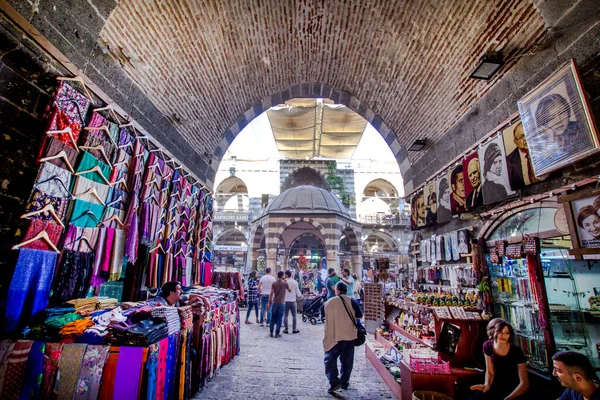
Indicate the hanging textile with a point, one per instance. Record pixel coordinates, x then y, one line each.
73 276
30 286
15 370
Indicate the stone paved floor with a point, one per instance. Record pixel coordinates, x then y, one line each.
290 367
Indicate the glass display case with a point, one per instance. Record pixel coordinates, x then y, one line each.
515 301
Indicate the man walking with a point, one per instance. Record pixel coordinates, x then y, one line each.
277 300
290 302
264 288
349 281
340 334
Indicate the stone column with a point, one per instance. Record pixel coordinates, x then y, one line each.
333 260
253 260
285 259
357 266
272 259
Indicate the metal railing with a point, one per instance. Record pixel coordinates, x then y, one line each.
384 219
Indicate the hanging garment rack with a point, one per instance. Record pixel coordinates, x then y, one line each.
85 240
112 112
85 214
78 79
111 219
56 178
121 181
103 128
100 148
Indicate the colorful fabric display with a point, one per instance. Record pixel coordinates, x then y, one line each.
30 286
85 214
53 147
87 162
82 185
68 109
69 367
38 200
129 372
15 370
73 276
53 181
90 375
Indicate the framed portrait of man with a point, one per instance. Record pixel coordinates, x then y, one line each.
430 197
474 196
456 179
421 210
557 121
443 205
494 175
518 159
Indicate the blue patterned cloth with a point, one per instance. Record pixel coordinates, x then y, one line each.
30 286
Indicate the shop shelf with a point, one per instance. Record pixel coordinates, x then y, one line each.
396 328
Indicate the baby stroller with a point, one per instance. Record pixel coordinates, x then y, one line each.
311 309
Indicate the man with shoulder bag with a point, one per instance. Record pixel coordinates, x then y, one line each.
342 315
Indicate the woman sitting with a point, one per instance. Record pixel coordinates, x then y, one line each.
505 365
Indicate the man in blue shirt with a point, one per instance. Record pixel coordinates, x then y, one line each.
575 372
348 280
330 282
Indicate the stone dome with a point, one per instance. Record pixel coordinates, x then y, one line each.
306 200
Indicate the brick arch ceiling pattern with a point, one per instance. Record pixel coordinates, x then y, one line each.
211 66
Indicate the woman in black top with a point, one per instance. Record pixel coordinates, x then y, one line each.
505 365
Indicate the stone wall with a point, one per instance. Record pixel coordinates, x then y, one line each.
27 80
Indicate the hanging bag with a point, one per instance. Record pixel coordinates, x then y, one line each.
361 332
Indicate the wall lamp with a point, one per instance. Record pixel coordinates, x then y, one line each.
489 64
417 145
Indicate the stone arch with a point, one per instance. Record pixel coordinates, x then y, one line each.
228 188
294 220
389 239
257 237
229 231
379 186
349 233
305 176
313 90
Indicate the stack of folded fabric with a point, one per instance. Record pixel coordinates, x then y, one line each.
75 328
84 306
186 316
106 302
170 316
143 333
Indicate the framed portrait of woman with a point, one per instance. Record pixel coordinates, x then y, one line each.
495 184
581 211
558 122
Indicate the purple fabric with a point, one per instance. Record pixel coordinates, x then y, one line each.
127 377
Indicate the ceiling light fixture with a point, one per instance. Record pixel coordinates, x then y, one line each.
417 145
488 65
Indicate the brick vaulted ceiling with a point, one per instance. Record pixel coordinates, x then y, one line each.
204 63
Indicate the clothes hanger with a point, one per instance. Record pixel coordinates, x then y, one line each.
100 148
63 156
56 178
84 238
157 247
150 199
119 163
123 182
79 79
43 235
66 130
128 144
110 203
116 219
105 129
91 214
97 170
48 208
91 191
111 110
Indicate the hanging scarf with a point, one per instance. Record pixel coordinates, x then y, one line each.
51 357
33 372
161 376
15 370
30 286
128 373
68 369
88 384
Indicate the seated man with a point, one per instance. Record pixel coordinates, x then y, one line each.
575 372
171 294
